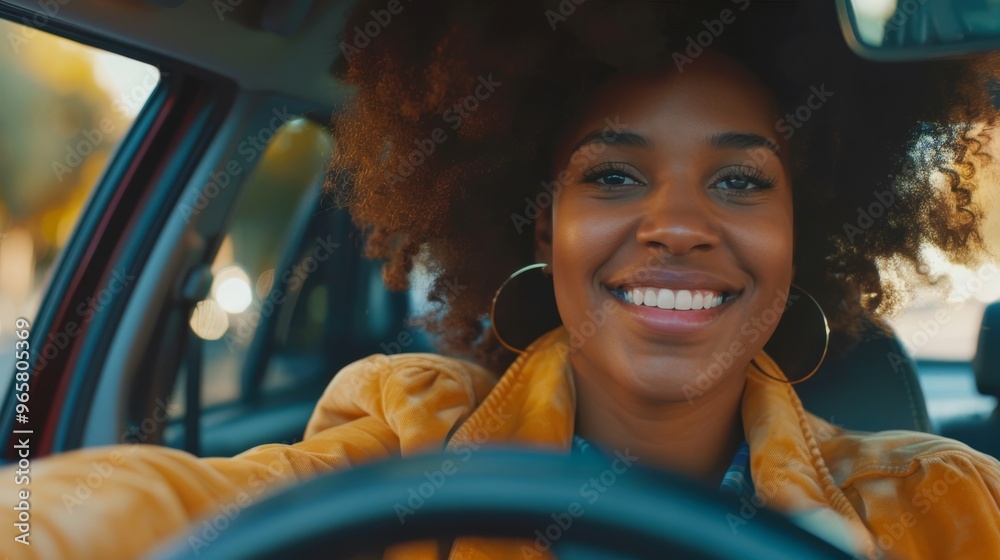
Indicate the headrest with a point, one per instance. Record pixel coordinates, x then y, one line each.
986 364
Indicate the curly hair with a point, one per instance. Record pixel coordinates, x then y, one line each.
437 173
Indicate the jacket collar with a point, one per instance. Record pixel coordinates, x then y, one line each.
534 404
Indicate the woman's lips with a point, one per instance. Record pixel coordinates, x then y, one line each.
672 311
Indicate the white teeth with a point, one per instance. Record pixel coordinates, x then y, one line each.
650 299
681 300
665 300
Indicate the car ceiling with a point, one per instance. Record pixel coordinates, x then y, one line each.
282 46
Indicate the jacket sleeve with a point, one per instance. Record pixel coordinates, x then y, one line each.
945 505
122 501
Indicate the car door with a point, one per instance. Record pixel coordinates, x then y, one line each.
111 331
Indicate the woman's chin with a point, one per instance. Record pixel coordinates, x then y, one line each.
672 380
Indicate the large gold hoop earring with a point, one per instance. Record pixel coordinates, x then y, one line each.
524 307
786 345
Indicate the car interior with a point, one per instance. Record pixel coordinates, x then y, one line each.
226 92
253 77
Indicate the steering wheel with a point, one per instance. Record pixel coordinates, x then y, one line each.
585 508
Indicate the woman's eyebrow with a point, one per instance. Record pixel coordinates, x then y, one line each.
613 138
742 141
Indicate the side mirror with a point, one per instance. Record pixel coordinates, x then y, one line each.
897 30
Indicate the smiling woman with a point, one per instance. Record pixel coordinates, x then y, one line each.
745 139
680 185
675 204
846 126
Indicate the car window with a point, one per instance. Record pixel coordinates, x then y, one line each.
288 175
944 325
940 329
65 109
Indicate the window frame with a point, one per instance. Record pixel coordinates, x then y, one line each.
178 115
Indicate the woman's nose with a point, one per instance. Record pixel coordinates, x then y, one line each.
677 219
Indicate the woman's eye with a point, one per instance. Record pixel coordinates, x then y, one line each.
611 176
743 181
616 180
736 182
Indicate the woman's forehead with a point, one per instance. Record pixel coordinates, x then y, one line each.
711 96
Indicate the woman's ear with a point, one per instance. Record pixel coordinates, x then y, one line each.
543 236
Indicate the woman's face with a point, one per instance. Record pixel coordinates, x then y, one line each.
675 193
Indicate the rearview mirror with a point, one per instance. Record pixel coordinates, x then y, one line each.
891 30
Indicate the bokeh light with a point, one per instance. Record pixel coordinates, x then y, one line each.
209 320
231 288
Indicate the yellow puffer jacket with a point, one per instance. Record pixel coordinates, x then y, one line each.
895 494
